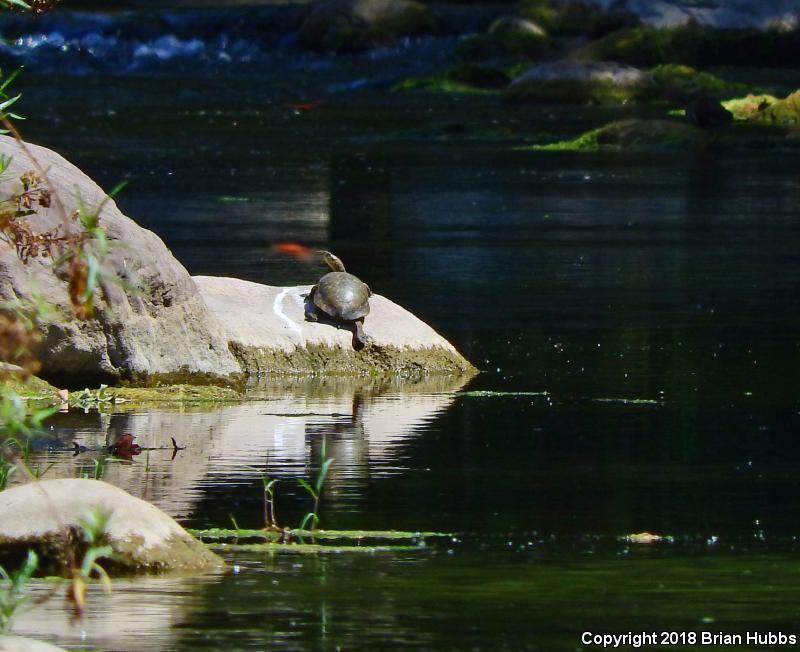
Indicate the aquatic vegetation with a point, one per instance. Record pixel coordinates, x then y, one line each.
315 490
481 393
12 598
87 399
218 534
93 526
6 471
270 518
324 541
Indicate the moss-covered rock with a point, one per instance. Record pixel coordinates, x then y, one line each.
578 82
744 108
632 134
576 17
519 36
694 45
655 135
353 25
784 113
679 83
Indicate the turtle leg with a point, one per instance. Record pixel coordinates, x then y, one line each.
360 338
309 307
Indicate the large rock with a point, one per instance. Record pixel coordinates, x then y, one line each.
161 329
44 515
580 81
20 644
351 25
267 331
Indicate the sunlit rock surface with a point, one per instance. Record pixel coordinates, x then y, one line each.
44 515
163 327
266 329
20 644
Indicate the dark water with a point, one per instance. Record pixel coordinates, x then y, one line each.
635 315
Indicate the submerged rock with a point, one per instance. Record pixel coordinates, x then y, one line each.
45 516
163 327
577 81
352 25
267 331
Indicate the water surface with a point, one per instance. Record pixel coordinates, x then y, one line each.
635 318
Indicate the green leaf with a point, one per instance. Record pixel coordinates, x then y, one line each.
304 483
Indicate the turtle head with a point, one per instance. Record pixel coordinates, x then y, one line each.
332 261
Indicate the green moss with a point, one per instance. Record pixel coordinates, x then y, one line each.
744 108
218 534
333 360
670 134
184 394
309 548
32 388
680 83
435 84
784 113
631 134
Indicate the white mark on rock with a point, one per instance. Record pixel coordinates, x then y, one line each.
277 308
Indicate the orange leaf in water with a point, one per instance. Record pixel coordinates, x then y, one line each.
293 249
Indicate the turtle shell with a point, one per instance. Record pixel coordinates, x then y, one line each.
342 296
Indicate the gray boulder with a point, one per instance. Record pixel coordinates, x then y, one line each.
44 515
267 331
580 81
163 328
351 25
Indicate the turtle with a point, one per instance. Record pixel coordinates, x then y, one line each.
342 297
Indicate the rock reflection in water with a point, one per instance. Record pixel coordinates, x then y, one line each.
364 422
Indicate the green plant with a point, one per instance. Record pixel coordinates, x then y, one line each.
87 399
6 471
270 520
93 525
11 595
16 420
315 491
